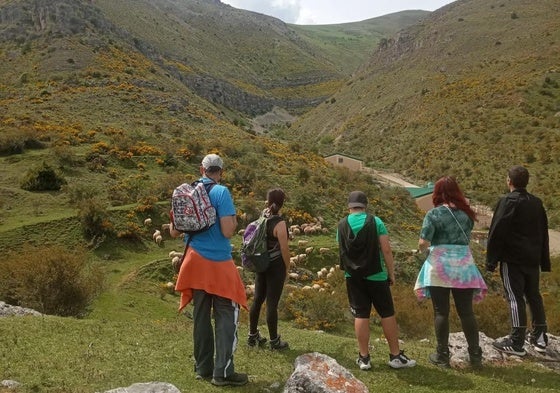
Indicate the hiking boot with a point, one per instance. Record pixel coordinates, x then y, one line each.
278 344
475 358
539 342
401 361
235 379
364 362
440 359
506 345
256 339
201 377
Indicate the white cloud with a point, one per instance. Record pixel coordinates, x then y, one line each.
286 10
332 11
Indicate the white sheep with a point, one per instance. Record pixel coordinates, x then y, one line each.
148 222
294 276
165 227
324 250
309 250
156 234
302 243
173 254
158 239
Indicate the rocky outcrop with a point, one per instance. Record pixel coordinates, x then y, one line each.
490 355
7 310
148 387
318 373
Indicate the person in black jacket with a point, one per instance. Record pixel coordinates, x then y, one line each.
518 240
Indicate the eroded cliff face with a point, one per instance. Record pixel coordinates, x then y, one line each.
27 19
72 27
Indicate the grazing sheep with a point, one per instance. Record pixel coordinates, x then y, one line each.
296 231
156 234
302 243
309 250
173 254
158 239
309 230
165 227
294 276
324 250
148 222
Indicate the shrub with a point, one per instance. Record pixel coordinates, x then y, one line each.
43 178
51 280
94 219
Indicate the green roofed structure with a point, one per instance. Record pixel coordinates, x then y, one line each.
422 196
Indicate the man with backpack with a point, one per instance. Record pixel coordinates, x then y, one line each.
208 277
367 260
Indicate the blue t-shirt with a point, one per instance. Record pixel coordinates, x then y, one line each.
356 222
212 244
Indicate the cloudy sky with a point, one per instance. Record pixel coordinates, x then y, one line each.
309 12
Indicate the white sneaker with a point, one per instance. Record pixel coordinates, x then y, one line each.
364 362
401 361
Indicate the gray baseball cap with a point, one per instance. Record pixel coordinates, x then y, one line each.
212 160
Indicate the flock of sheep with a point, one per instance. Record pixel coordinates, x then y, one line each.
295 261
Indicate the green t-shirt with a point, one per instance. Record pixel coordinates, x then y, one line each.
357 221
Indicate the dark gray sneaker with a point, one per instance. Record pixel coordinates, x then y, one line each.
278 345
539 343
235 379
256 340
507 345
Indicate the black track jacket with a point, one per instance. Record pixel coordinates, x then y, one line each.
519 232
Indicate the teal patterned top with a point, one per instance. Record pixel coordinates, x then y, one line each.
440 227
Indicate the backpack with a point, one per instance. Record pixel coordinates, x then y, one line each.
255 255
191 210
359 254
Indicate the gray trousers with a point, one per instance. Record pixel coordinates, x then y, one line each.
214 347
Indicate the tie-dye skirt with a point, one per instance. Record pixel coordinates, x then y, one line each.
450 266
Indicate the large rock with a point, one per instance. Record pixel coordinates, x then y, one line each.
7 310
147 387
460 357
318 373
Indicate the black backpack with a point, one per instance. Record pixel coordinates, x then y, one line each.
359 254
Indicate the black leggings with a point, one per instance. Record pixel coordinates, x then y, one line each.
268 286
463 299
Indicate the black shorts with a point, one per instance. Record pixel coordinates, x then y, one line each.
362 294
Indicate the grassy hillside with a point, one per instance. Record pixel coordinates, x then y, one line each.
470 91
349 45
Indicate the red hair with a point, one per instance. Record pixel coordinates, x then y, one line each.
446 190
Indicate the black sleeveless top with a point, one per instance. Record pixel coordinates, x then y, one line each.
271 241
